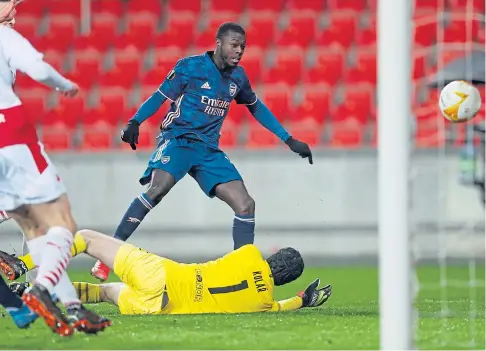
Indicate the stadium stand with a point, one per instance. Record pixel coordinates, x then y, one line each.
312 61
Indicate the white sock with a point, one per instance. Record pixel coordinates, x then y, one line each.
52 253
66 292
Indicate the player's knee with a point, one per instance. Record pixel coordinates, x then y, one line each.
155 193
160 185
246 206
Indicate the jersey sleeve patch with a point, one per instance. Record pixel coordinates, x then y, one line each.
171 75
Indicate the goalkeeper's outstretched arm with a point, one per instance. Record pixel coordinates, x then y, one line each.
312 296
291 304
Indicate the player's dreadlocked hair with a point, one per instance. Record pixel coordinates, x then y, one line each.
286 265
229 26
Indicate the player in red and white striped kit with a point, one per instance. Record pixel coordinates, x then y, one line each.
31 191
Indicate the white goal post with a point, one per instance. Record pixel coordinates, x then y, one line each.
394 27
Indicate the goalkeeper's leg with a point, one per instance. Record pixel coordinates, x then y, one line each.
96 293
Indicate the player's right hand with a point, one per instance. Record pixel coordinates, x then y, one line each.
314 297
72 92
129 134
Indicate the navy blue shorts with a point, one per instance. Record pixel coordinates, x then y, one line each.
179 156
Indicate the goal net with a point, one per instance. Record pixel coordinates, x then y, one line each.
445 214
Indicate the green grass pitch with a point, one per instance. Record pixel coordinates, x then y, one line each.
348 321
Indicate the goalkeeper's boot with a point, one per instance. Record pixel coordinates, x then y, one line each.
100 271
23 317
19 287
40 301
11 266
86 321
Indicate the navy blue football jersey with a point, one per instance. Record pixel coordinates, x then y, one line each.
201 95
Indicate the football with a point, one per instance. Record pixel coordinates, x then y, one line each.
459 101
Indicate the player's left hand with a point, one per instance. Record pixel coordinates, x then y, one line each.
130 133
314 297
300 148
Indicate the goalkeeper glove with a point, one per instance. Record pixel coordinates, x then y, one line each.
299 148
313 297
129 134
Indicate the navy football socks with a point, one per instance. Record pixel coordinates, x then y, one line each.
135 214
8 298
243 230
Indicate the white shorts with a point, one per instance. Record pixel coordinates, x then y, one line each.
27 177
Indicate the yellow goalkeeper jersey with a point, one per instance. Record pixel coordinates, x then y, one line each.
240 281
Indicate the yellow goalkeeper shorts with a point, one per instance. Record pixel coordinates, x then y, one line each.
145 276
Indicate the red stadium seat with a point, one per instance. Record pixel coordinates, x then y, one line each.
34 102
428 135
427 6
62 31
27 25
315 5
35 9
358 104
186 5
271 5
146 6
347 134
57 137
476 6
224 5
110 109
480 38
99 137
419 66
301 29
229 135
329 66
86 67
238 113
261 28
355 5
178 32
367 35
260 138
126 69
140 31
104 31
252 64
112 7
278 98
288 66
307 131
365 69
425 30
315 104
69 111
165 60
23 81
460 31
341 31
63 7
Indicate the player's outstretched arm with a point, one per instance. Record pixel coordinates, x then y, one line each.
266 118
312 296
22 56
130 133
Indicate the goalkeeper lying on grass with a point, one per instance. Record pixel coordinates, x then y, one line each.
241 281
